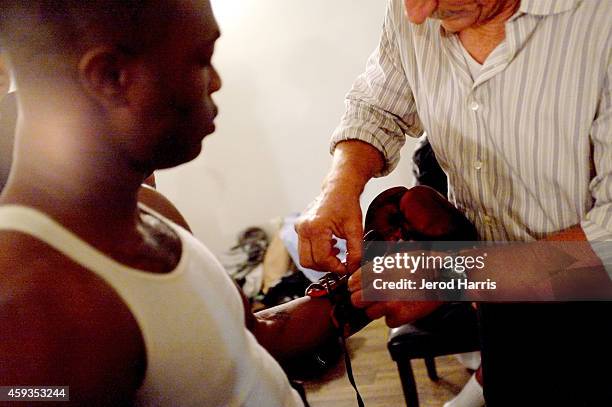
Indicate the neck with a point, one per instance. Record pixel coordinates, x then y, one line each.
79 182
482 38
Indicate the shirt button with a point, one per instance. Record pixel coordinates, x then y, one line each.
478 165
474 106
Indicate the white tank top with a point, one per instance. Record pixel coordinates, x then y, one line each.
199 352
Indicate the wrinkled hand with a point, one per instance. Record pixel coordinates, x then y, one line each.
336 213
396 313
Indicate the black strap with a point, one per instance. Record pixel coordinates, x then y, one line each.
297 386
349 371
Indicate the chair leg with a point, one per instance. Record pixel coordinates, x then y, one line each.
430 363
408 383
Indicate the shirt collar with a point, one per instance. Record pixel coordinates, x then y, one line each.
547 7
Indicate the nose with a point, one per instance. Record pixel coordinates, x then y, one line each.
417 11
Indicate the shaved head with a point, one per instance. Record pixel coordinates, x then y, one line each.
39 35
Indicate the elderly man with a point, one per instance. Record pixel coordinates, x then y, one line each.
516 99
97 291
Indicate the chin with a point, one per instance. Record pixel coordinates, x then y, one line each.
173 157
194 153
455 25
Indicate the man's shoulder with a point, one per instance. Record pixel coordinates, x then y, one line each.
597 10
156 201
590 22
63 324
604 6
33 273
22 255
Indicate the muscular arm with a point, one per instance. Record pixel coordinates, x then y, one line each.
68 331
293 328
285 330
290 329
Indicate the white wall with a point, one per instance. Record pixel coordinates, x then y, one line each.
286 66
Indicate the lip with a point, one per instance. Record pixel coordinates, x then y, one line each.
210 128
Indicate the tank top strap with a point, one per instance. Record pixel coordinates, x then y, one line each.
41 226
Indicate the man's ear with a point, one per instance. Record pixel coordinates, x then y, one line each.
103 72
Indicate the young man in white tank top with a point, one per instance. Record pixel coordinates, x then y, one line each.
98 292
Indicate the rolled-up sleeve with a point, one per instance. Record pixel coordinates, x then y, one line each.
597 225
380 107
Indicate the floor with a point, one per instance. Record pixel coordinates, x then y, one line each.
377 378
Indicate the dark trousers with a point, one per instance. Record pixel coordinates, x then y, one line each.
550 354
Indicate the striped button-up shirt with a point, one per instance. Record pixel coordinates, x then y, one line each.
527 144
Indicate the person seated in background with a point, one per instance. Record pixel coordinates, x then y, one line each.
99 292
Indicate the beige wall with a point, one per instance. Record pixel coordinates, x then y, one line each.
5 78
285 65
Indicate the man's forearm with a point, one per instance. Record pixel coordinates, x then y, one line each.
561 266
574 233
354 164
298 326
587 275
